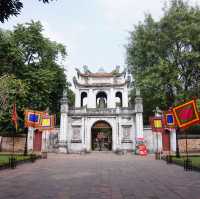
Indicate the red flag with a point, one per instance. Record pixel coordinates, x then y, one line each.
14 115
186 114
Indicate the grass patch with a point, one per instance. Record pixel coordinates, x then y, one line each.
4 158
180 161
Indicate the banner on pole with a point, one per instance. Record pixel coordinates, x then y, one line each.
186 114
169 120
40 120
48 122
156 124
33 118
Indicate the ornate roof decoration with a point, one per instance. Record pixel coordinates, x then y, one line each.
101 73
86 70
76 83
101 70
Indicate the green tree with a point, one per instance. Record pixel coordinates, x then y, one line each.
12 8
164 56
36 61
11 89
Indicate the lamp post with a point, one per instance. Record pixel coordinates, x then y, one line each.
177 146
25 147
158 113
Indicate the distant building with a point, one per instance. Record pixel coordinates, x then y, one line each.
101 118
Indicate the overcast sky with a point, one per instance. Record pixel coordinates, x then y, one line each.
95 32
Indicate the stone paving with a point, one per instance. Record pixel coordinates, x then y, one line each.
99 175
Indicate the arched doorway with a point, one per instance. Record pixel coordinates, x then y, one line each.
101 136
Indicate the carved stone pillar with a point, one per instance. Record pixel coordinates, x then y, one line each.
63 125
139 116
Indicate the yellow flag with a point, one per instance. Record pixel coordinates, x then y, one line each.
157 124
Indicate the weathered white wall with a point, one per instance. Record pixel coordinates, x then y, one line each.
152 140
110 92
91 101
77 98
125 96
30 139
63 128
173 140
148 139
86 123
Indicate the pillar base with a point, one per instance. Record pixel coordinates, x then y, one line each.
62 146
62 150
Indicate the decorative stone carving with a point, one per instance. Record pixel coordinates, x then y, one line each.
76 120
126 134
126 119
62 143
64 98
64 108
138 104
76 137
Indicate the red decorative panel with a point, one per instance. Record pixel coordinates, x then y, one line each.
166 140
186 114
37 141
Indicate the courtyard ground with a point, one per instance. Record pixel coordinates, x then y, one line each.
99 175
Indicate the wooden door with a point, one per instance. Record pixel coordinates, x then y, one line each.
166 140
37 142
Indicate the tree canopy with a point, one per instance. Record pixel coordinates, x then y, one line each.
12 8
10 90
31 71
164 56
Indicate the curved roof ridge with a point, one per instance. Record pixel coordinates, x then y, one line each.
100 74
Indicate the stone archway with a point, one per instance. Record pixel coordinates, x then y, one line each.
101 136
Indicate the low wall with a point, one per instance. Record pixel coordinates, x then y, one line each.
148 138
152 140
6 144
192 144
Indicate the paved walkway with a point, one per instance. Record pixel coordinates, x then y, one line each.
99 175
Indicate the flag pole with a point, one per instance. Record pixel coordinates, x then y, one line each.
15 125
14 120
13 147
177 145
25 147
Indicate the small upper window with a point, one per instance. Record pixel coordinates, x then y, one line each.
83 99
101 100
118 97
